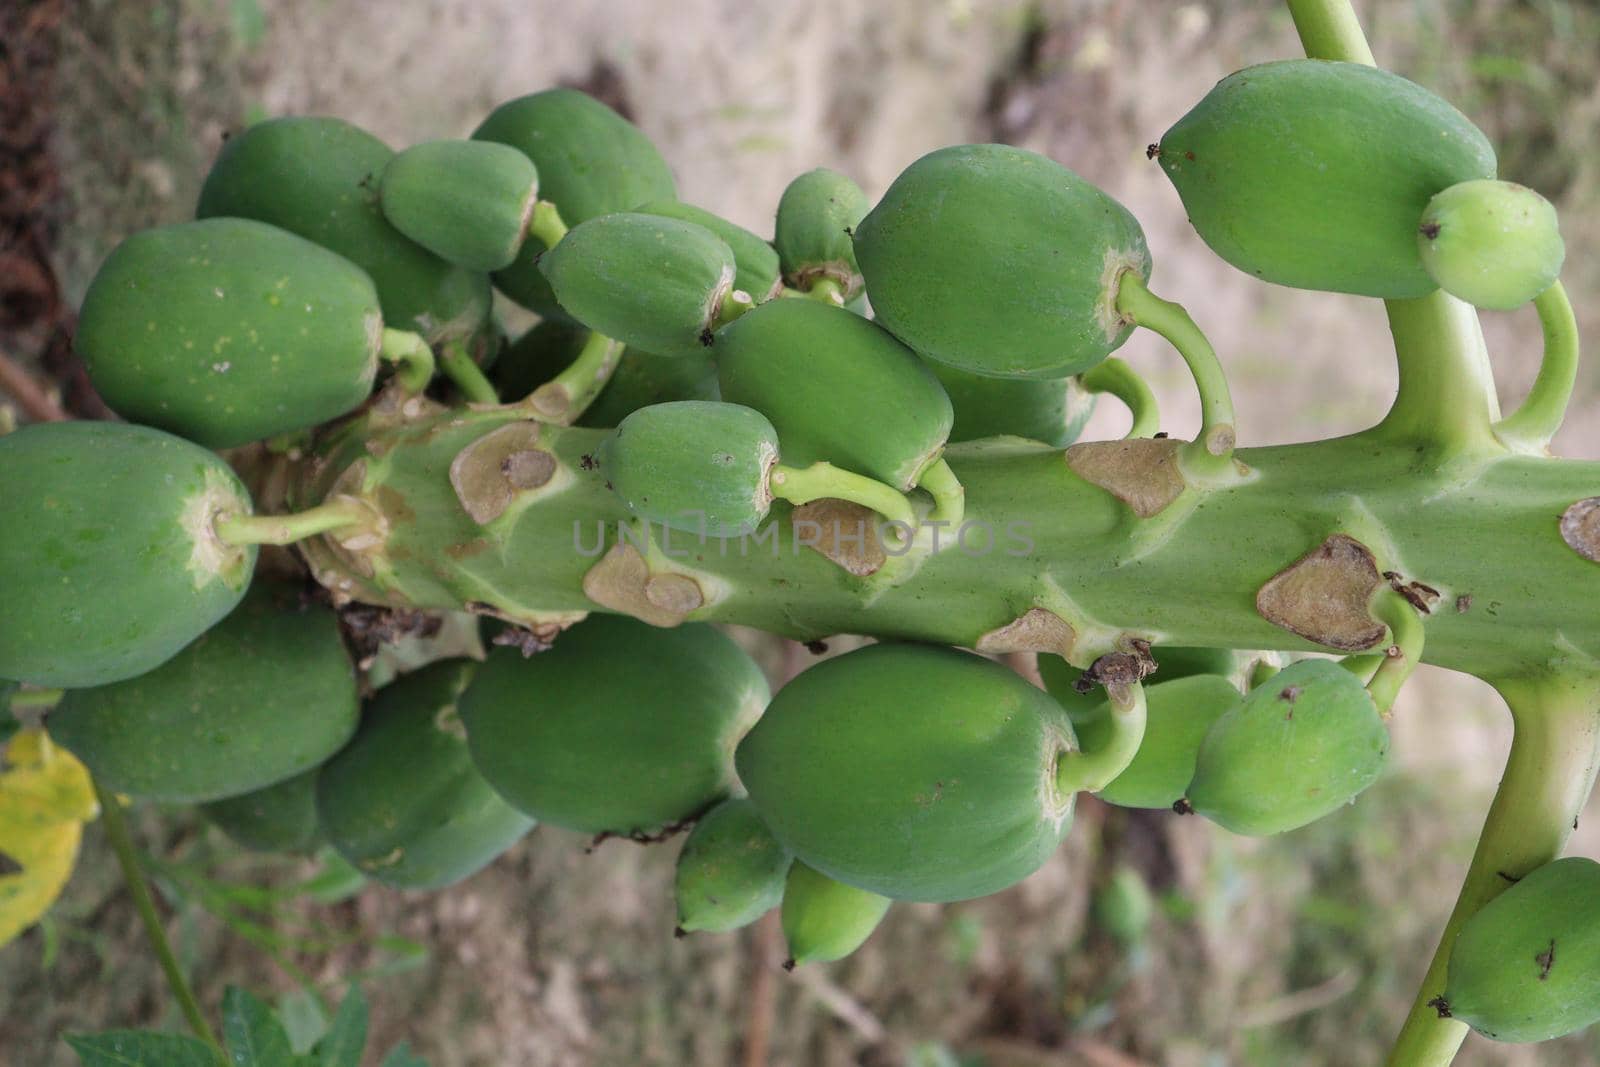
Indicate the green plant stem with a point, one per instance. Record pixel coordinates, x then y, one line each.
33 699
1555 751
1405 652
1531 426
336 514
564 398
546 225
1364 666
949 499
1329 29
1092 771
459 367
116 828
827 290
801 485
1115 377
1210 454
736 303
411 355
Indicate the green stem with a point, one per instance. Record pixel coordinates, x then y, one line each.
1329 29
801 485
1211 452
1364 666
411 354
827 290
736 303
568 395
949 498
335 514
1555 751
1530 427
116 828
1093 771
32 699
1115 377
1405 652
468 377
546 225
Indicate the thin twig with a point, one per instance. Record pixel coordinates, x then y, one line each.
763 990
39 405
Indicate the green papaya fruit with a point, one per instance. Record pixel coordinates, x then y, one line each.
824 920
279 818
1526 967
1172 662
227 331
817 216
1297 748
639 380
619 728
654 283
731 870
318 178
467 202
837 387
1052 410
591 162
1491 243
403 802
1001 262
266 694
695 465
1177 717
1123 907
108 558
756 269
1313 174
917 772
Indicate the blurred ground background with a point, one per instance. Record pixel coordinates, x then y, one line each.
1303 949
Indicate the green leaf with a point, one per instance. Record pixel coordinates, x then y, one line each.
254 1036
402 1056
141 1048
347 1036
304 1018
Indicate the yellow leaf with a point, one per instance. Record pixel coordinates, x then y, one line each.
45 797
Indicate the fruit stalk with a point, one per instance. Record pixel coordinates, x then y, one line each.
340 513
411 356
121 842
801 485
468 378
1555 751
1115 377
568 395
1531 426
1092 771
1401 658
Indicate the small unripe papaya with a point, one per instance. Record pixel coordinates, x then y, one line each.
620 727
1300 746
467 202
1052 410
1313 173
1001 262
731 870
917 772
1178 715
108 558
318 178
591 162
824 920
838 388
695 465
639 380
266 694
403 802
755 261
1526 967
817 217
1491 243
279 818
652 282
1123 907
227 331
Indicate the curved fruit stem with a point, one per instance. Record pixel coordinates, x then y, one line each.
116 828
1115 377
1554 754
1092 771
801 485
340 513
564 398
545 224
1329 29
1211 452
411 356
459 367
949 498
1364 666
1405 652
1531 426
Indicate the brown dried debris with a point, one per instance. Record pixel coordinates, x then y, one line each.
368 628
1035 630
847 533
1323 596
1580 528
1142 472
1118 669
1419 595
